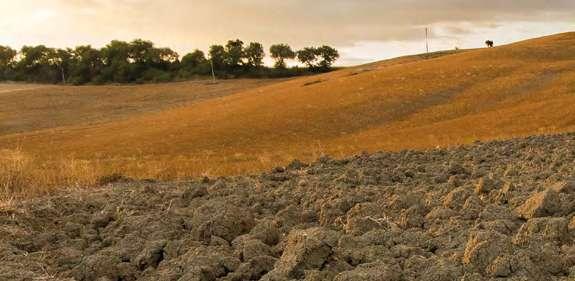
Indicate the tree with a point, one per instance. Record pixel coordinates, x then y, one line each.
140 61
88 64
280 53
38 64
218 56
194 63
254 54
7 58
65 63
328 56
142 52
234 53
308 56
193 60
149 63
116 58
115 52
164 58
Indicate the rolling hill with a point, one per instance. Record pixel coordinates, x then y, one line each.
29 107
449 99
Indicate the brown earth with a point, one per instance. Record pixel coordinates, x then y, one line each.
501 210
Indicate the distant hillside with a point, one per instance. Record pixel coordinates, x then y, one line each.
32 107
514 90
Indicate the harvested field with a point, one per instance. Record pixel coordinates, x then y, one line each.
500 210
29 107
451 98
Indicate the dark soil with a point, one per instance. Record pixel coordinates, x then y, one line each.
491 211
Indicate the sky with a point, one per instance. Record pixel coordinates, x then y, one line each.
362 30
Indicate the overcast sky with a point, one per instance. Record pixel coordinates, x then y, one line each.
363 30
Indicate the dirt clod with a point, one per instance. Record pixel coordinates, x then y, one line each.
542 204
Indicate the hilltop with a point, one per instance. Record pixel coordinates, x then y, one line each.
449 99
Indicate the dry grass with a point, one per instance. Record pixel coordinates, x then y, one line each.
22 175
516 90
26 108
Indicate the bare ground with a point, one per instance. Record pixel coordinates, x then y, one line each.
490 211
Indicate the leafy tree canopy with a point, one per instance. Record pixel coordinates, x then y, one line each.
280 53
140 61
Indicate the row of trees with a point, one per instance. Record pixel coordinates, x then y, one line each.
141 61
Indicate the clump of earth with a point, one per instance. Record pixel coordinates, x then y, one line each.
501 210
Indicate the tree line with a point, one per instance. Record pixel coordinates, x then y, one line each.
142 61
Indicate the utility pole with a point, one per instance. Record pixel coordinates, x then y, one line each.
63 75
427 40
213 73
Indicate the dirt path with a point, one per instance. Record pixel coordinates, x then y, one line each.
491 211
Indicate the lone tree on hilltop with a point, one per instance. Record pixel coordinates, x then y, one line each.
281 52
489 43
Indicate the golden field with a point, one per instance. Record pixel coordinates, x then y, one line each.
71 136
